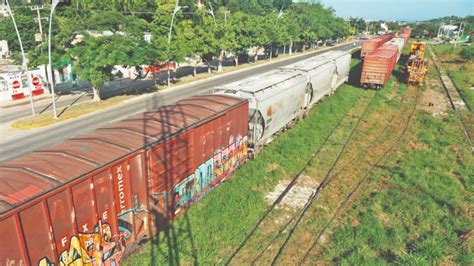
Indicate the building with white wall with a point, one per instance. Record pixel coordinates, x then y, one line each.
3 9
4 51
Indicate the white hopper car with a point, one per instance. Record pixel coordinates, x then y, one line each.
278 97
342 60
400 43
324 73
275 98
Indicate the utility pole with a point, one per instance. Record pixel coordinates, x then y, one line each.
280 14
37 9
24 61
176 9
225 15
54 3
211 11
457 37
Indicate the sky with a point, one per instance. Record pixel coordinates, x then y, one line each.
406 10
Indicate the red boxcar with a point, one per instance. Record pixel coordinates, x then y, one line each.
407 31
92 198
378 66
404 36
393 49
369 46
386 37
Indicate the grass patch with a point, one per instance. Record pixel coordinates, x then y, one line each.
66 113
211 230
416 211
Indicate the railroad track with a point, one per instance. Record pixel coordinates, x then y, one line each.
353 160
327 178
377 163
306 166
331 177
458 103
290 185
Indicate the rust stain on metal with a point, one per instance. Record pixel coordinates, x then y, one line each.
270 111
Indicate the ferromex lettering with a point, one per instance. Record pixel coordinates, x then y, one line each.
121 188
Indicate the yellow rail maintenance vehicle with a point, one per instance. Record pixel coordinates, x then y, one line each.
417 65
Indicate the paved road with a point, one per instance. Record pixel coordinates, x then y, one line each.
14 145
73 95
114 88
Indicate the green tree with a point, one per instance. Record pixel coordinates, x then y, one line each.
237 33
95 57
357 24
27 27
277 32
206 37
116 5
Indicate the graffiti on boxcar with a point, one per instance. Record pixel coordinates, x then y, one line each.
228 159
126 220
204 175
211 173
98 248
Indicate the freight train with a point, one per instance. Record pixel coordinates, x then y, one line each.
92 198
379 65
280 96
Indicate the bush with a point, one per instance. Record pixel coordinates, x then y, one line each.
467 52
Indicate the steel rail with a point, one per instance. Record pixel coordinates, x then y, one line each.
325 181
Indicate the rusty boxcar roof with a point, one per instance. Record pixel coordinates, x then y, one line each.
37 172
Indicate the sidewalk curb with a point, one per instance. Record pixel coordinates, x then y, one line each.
24 101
